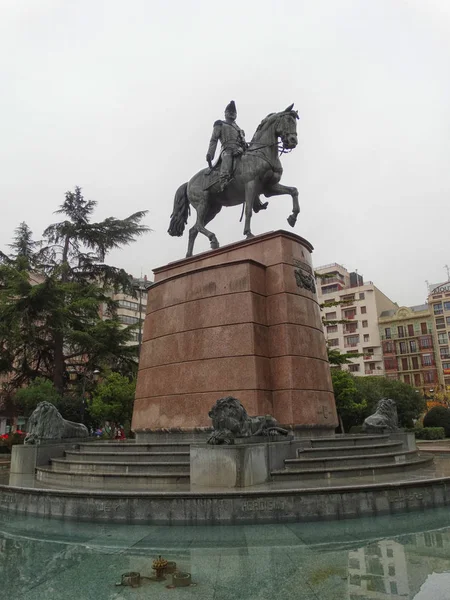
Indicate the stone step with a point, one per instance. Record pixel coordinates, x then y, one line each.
111 481
354 471
77 466
347 450
349 461
347 440
121 456
133 447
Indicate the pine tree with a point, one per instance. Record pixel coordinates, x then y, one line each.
51 292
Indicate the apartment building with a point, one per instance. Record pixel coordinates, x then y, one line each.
409 349
439 303
132 309
360 304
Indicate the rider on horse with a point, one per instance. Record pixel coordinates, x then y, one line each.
233 142
232 139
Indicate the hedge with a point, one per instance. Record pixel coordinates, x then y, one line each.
429 433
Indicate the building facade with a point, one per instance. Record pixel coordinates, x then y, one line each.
132 309
408 345
439 302
352 326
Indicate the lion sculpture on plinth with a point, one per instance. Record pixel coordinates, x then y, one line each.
230 420
46 423
383 419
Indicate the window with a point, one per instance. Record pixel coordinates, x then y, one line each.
448 320
366 324
366 337
350 327
126 320
394 589
403 348
427 361
401 331
443 351
446 365
387 332
388 347
363 310
425 342
442 338
415 362
129 305
391 570
333 342
407 379
390 364
405 364
134 336
417 379
424 328
331 316
351 340
446 305
349 313
438 308
429 376
332 328
349 298
440 323
362 296
410 330
353 368
413 346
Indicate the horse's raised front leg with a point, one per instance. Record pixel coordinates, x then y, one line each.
250 191
279 190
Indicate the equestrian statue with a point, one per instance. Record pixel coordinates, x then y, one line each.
242 173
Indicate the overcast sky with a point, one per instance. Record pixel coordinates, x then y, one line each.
120 98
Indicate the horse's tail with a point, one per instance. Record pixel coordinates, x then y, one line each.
180 213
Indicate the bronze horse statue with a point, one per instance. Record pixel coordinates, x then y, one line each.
257 172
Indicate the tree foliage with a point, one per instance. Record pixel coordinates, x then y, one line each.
438 416
410 403
51 292
357 398
40 390
351 407
113 399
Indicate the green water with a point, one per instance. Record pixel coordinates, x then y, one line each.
403 556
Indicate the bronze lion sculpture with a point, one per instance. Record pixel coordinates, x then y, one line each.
383 419
230 420
46 423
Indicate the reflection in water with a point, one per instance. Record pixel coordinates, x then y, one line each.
351 560
398 568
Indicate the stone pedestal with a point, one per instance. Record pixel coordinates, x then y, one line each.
243 321
229 466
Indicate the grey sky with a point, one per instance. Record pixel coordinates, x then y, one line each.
120 97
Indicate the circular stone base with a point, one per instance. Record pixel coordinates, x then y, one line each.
250 506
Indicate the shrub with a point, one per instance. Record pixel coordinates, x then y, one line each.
429 433
438 416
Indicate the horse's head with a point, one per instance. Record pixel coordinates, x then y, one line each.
286 127
281 125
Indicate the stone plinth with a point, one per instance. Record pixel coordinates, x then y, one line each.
237 466
243 321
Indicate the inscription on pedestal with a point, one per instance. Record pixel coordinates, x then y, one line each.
263 505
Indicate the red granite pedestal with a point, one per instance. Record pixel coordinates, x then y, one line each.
243 321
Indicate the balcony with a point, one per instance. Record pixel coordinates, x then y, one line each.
350 330
368 357
395 336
